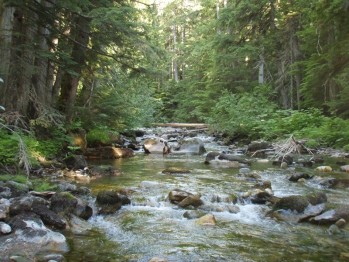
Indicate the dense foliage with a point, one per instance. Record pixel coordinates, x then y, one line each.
252 69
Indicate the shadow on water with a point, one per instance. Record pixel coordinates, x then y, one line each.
153 227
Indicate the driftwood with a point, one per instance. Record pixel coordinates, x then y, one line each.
291 146
42 194
181 125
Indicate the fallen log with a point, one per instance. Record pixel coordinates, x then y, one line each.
180 125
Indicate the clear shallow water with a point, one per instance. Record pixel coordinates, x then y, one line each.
153 227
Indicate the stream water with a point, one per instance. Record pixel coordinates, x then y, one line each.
153 227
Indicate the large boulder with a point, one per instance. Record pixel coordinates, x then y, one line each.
75 162
109 202
31 237
192 146
155 145
191 200
298 208
177 195
38 206
109 152
65 204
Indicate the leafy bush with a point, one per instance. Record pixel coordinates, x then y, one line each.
97 135
8 148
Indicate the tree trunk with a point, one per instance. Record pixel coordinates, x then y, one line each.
69 85
175 65
6 27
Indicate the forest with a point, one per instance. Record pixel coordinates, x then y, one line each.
251 69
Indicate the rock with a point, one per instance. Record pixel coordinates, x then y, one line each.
5 191
255 146
263 184
221 157
245 170
17 189
233 209
49 217
109 152
5 228
191 146
298 208
323 169
208 219
154 145
75 162
177 195
65 203
100 171
150 184
287 159
332 216
250 176
50 258
341 222
345 168
261 197
191 200
29 228
78 225
65 187
295 177
175 170
193 214
317 159
4 209
304 163
335 182
333 230
25 204
110 201
157 259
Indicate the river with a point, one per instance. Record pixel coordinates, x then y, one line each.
153 227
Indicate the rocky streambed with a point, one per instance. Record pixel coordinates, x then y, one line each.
180 196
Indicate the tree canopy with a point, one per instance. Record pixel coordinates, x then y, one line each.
121 64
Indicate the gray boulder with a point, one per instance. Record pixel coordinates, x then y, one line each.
332 216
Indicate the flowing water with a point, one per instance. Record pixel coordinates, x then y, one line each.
153 227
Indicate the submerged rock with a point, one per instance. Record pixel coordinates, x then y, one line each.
216 156
208 220
175 170
332 216
295 177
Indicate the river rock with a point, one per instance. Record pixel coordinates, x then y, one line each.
109 152
25 203
4 209
208 220
317 159
341 222
106 170
233 209
5 192
256 146
157 259
323 169
29 229
332 216
295 177
191 200
5 228
333 230
65 203
50 258
192 146
193 214
17 189
298 208
177 195
175 170
75 162
154 145
345 168
110 201
217 157
261 197
263 184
